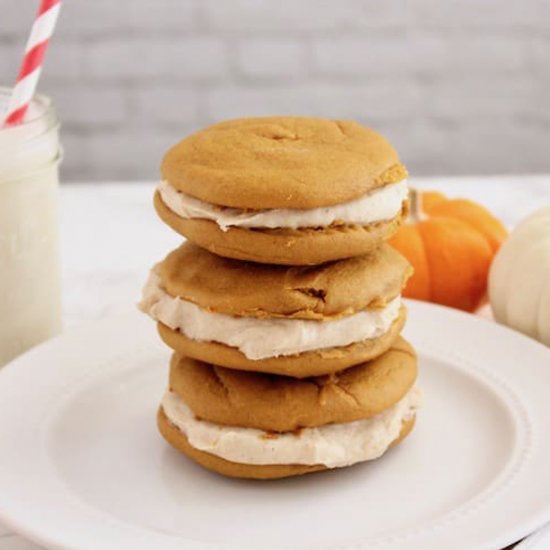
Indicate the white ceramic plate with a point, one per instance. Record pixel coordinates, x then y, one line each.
537 541
82 466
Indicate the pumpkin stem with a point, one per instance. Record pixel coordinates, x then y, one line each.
416 214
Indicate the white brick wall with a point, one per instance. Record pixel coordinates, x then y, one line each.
287 58
185 58
283 16
460 86
380 54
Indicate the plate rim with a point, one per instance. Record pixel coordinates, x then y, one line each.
532 541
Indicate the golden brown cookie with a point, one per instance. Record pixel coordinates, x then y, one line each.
309 363
305 246
281 162
178 440
282 165
296 321
326 291
284 404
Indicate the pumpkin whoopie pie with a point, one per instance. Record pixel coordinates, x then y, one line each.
295 321
254 425
284 190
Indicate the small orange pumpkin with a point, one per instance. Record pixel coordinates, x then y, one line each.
450 243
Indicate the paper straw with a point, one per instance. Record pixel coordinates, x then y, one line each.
31 67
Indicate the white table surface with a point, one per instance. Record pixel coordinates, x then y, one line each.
110 238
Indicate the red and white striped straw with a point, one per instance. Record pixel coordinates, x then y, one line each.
31 67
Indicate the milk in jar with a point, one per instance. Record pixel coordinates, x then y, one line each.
30 293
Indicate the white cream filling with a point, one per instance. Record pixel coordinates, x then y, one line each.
262 338
381 204
334 445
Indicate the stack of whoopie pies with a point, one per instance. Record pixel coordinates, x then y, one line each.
283 308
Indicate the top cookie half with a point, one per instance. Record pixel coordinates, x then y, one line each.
284 190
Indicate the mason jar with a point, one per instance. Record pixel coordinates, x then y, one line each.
30 279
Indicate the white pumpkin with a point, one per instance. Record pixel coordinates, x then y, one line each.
519 280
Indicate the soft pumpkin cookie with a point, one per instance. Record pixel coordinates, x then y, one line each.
285 190
259 425
298 321
283 404
179 441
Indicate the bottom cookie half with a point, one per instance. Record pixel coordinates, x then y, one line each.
179 441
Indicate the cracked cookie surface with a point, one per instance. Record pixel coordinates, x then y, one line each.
280 403
323 292
281 162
